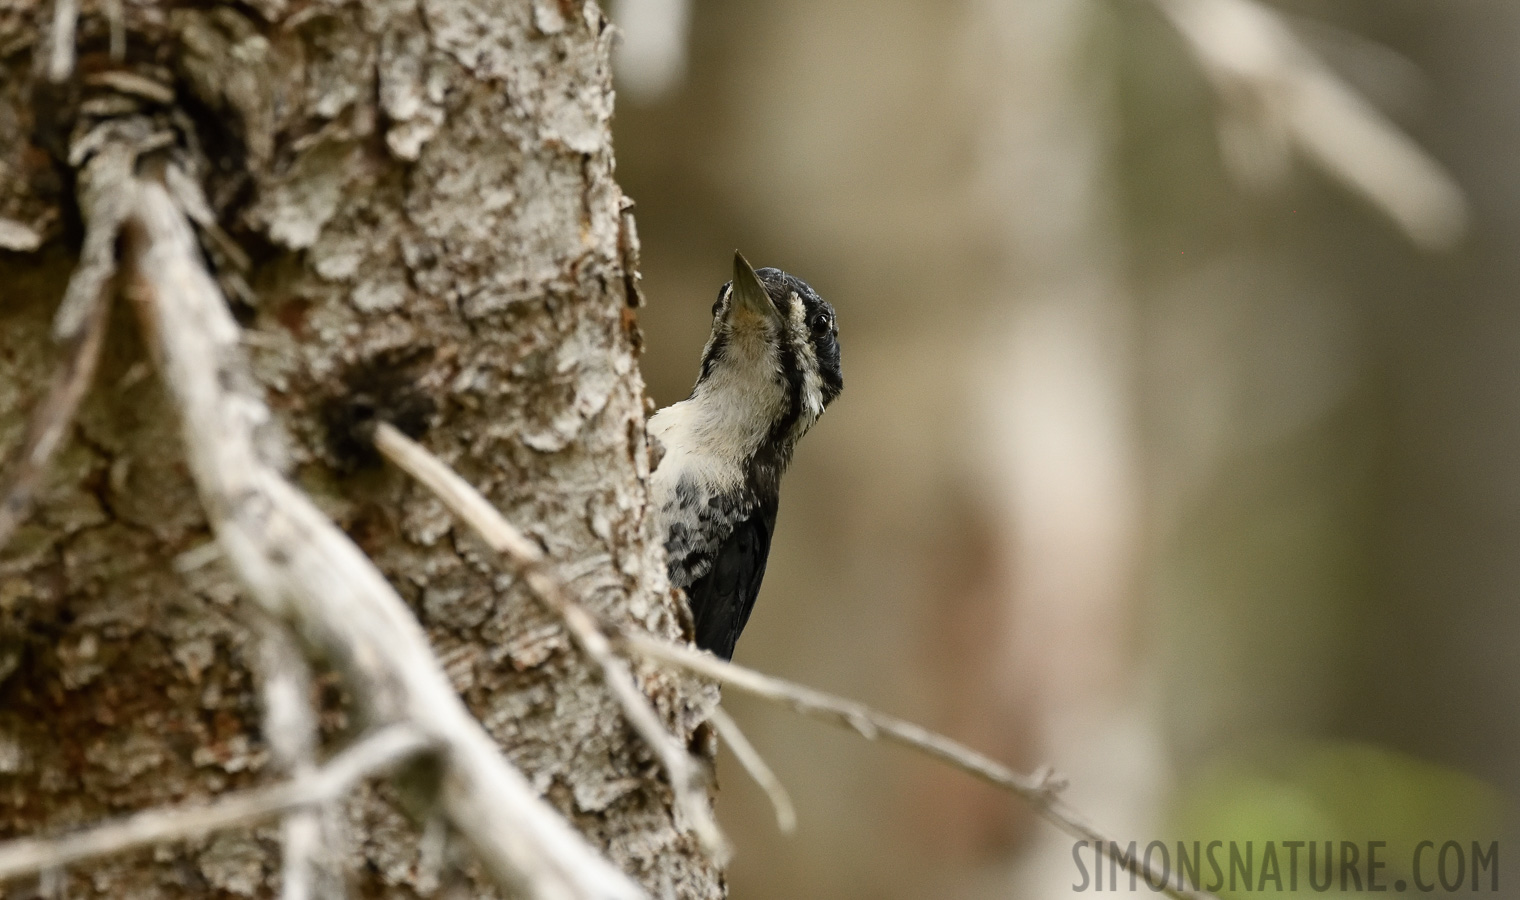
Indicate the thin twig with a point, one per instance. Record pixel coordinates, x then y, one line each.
303 569
290 724
79 324
109 167
60 60
51 420
688 778
754 764
290 729
1041 791
857 716
368 756
118 24
432 854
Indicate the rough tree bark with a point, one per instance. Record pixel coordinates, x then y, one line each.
425 192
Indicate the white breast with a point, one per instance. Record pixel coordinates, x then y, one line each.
711 464
711 436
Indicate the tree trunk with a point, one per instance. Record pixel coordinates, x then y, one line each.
426 195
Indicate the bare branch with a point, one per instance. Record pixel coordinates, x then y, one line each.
308 866
97 257
80 323
688 778
116 17
458 495
51 420
304 570
290 725
858 717
60 59
754 764
1041 791
369 756
1276 93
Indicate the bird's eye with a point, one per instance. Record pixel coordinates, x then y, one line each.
822 322
718 303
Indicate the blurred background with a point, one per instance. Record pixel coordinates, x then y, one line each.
1180 443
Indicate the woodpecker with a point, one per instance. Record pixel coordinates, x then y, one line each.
769 369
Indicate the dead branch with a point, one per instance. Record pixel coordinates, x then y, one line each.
305 571
753 763
309 864
50 421
688 778
79 324
60 57
97 257
1275 93
1041 791
371 755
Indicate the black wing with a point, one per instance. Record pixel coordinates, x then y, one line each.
721 600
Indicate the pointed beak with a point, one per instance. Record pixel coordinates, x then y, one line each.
749 293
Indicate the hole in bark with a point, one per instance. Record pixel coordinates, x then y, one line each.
381 389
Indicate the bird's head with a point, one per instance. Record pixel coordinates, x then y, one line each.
772 335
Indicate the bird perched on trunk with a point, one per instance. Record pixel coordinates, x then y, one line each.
768 370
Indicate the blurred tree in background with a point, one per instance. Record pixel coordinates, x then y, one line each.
1179 448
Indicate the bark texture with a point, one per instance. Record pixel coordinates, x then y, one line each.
426 194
